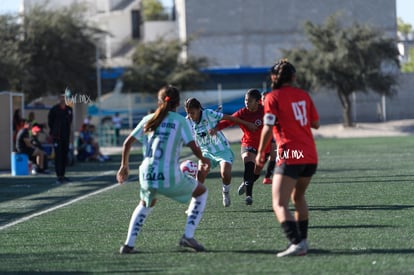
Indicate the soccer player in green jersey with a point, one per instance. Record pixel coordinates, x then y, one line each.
162 135
214 145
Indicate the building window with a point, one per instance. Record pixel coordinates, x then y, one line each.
136 24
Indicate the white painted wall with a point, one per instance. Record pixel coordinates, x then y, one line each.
155 29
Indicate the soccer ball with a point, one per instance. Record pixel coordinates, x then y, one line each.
189 168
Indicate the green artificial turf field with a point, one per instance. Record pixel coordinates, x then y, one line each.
361 220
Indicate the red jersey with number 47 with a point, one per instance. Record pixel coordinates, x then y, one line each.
291 110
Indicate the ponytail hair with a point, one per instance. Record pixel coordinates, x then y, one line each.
168 100
284 72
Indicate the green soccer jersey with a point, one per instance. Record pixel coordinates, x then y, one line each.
209 143
161 150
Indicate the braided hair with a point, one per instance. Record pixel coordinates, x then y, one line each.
284 72
168 100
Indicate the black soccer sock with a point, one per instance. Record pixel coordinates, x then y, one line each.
248 175
291 231
303 228
270 168
249 188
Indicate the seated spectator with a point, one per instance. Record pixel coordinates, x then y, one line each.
84 146
39 135
32 121
39 139
35 154
87 146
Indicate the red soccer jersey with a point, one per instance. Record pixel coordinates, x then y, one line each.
294 111
249 139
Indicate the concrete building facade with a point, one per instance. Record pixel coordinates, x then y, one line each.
238 33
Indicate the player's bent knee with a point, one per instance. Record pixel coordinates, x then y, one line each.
151 204
199 190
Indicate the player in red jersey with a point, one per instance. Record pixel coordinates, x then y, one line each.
290 114
253 112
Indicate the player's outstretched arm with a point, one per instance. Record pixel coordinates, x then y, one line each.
249 125
123 171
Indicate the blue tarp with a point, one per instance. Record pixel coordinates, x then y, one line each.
117 72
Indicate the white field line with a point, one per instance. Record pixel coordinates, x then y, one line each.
24 219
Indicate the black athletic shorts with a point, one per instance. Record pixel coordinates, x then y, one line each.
296 170
252 150
249 149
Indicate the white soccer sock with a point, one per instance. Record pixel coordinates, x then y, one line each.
137 221
226 188
195 212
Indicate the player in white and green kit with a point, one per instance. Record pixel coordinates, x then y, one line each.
214 145
162 135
